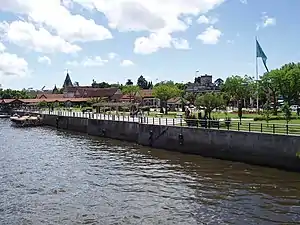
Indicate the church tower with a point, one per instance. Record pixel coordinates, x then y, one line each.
68 82
55 90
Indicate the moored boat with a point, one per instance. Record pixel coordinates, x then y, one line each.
4 116
26 121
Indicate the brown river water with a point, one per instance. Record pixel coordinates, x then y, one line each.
57 177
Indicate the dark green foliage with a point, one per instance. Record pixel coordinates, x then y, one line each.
262 118
287 112
14 94
143 83
240 110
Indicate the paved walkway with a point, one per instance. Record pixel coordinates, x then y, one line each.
148 120
145 119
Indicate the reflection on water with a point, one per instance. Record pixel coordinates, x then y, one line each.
55 177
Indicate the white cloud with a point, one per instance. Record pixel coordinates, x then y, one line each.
127 62
112 55
89 62
159 18
26 35
67 3
244 1
2 47
12 65
188 20
230 41
151 44
266 21
55 15
44 59
207 20
210 36
180 43
153 15
95 61
156 41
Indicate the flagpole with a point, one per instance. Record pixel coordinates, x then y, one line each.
256 64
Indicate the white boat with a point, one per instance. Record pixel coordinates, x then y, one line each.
4 116
26 121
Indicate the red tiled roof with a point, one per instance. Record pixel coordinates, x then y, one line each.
38 100
175 100
7 101
142 93
146 93
44 95
90 92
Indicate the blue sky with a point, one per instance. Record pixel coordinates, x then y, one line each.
116 40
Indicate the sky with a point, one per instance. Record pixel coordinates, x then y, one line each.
116 40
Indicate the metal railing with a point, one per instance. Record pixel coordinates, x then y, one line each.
233 125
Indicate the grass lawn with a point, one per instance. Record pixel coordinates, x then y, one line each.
280 127
169 115
221 115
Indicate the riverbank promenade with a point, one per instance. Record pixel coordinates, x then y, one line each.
245 125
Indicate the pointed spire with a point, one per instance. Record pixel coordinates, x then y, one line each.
55 90
68 82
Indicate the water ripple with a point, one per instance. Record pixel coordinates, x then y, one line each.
55 177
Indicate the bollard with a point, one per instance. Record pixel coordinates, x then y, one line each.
180 138
150 137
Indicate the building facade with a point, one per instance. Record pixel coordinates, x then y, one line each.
202 84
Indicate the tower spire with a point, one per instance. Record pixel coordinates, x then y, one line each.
68 81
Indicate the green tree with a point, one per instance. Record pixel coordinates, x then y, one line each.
129 82
143 83
95 100
269 84
267 112
42 104
164 92
210 101
289 84
181 86
287 112
14 94
100 85
191 97
167 82
240 111
239 88
131 90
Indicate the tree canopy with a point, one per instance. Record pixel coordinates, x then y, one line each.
143 83
283 82
129 82
239 88
164 92
131 90
210 101
11 94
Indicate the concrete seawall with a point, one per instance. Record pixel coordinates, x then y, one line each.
279 151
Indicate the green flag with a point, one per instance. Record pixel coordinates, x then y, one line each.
260 54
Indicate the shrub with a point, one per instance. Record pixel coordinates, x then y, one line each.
261 118
191 121
145 108
123 108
